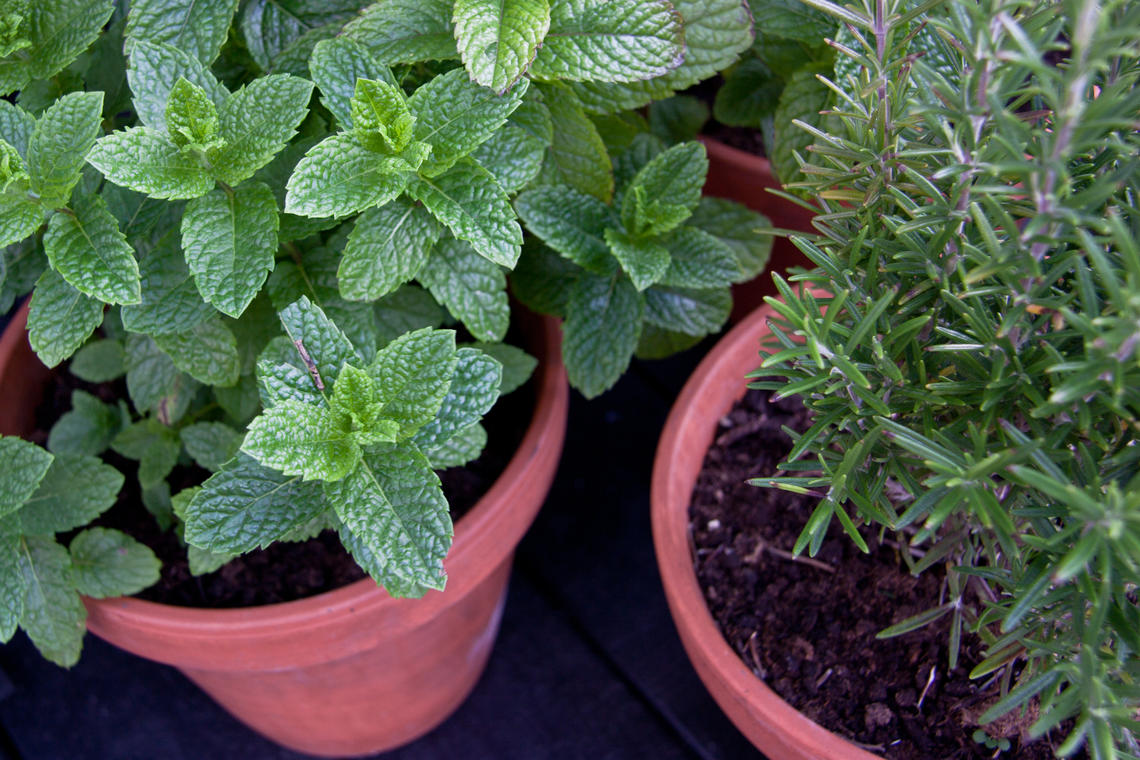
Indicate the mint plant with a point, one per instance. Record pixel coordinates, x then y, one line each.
972 373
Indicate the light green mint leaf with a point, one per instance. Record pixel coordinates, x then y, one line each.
749 94
100 361
455 115
155 67
170 300
54 617
12 581
393 504
474 390
543 280
207 352
269 27
461 448
339 177
13 170
87 429
658 343
470 202
699 260
196 27
19 218
60 142
666 190
211 444
316 336
572 223
377 566
229 239
678 118
155 446
86 247
276 174
153 382
336 66
380 116
611 41
472 288
204 562
16 126
191 117
412 376
803 98
405 31
75 491
25 465
601 330
794 20
108 563
518 365
145 161
688 310
256 123
738 226
60 318
513 155
498 39
58 33
356 402
645 261
386 248
577 155
302 439
279 381
247 506
409 308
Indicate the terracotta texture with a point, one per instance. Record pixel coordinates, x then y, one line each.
351 671
774 726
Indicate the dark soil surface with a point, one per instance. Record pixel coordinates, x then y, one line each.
747 139
808 627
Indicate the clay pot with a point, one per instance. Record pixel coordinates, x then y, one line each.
774 726
351 671
745 178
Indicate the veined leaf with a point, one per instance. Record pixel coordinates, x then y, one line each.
256 123
16 126
54 617
336 66
665 191
145 161
740 228
339 177
323 342
60 142
269 27
86 247
170 300
60 318
386 248
25 465
153 381
472 288
196 27
13 586
381 118
154 445
295 438
497 39
577 155
191 117
518 365
154 69
405 31
803 98
211 444
645 261
87 429
473 391
699 260
689 311
570 222
57 34
412 376
207 352
603 323
513 155
107 563
99 361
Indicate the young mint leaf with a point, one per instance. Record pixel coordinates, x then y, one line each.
412 376
58 32
256 123
54 617
60 318
645 261
611 41
155 446
803 98
687 310
336 66
170 299
302 439
380 116
409 308
498 39
387 247
518 365
678 119
339 177
577 155
16 126
355 401
85 246
145 161
699 260
513 155
107 563
207 352
310 329
25 465
405 31
665 191
472 288
211 444
87 429
12 581
570 222
196 27
740 228
60 142
470 202
643 149
154 70
270 27
600 333
247 506
473 391
191 117
75 490
99 361
19 217
230 238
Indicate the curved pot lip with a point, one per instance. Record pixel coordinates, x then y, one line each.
725 152
685 439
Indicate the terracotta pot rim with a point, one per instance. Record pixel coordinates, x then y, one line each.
763 716
724 152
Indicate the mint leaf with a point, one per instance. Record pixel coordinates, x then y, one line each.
99 361
154 69
387 247
355 401
19 217
611 41
658 342
191 117
473 391
170 300
645 261
381 118
666 190
108 563
16 126
326 346
54 617
690 311
87 429
498 39
302 439
211 444
229 239
12 581
87 249
153 381
513 155
336 66
803 98
600 333
470 202
241 401
518 365
461 448
472 288
207 352
793 20
196 27
678 119
408 308
146 162
153 445
75 490
570 222
699 260
60 142
270 27
542 280
60 318
57 33
740 228
577 155
25 465
405 31
339 177
247 506
282 381
412 375
750 93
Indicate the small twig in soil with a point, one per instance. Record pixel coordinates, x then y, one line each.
758 669
929 682
763 546
868 747
823 679
742 431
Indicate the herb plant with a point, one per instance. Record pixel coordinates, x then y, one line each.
973 372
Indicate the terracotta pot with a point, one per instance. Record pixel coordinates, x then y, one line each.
351 671
745 178
774 726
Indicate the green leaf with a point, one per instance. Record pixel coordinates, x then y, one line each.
658 342
794 20
666 190
513 155
498 39
108 563
207 352
58 32
75 490
336 66
195 27
25 465
247 506
211 444
99 361
409 308
473 391
577 155
60 318
339 177
86 247
386 248
153 381
803 98
381 118
412 375
570 222
356 402
690 311
191 117
543 280
19 218
155 447
699 260
13 586
472 288
16 126
154 70
54 617
749 94
230 239
302 439
241 401
611 41
405 31
600 333
645 261
87 429
455 115
269 27
461 448
327 347
738 226
470 202
60 142
146 162
256 123
170 300
518 365
678 119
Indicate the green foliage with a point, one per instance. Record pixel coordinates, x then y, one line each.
973 368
